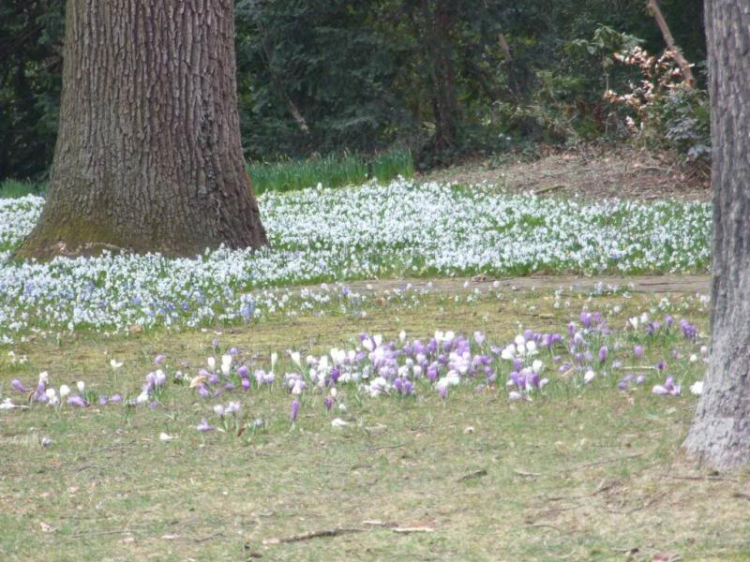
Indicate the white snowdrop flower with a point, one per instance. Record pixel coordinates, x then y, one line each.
142 398
64 391
519 340
378 339
697 388
338 422
44 378
589 376
693 358
219 410
531 348
537 366
81 386
115 364
274 359
211 361
402 336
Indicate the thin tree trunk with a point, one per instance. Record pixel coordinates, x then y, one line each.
720 432
148 156
653 8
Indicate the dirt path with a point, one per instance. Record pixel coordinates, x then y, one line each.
684 284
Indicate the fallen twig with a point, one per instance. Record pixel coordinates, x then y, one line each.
741 495
209 537
527 474
405 530
97 533
549 189
314 535
473 475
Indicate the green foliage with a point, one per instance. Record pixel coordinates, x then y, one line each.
10 188
331 171
318 77
30 66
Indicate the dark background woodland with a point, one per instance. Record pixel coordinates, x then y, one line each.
431 76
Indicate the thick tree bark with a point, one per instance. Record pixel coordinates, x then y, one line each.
720 432
148 156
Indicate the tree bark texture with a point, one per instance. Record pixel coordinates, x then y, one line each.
148 156
720 432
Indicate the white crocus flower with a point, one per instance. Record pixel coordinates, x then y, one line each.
226 364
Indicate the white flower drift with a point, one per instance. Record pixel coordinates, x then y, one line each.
399 229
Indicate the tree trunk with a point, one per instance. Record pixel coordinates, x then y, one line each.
445 103
148 156
720 432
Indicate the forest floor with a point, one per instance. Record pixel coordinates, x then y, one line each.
588 172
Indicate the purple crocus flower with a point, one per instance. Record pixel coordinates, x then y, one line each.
46 441
408 387
640 379
203 426
18 385
398 384
328 403
443 391
294 410
77 401
115 399
103 400
245 384
623 385
661 365
203 391
638 351
603 354
159 359
243 372
668 320
688 330
229 387
586 319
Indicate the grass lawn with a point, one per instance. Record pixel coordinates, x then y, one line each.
581 472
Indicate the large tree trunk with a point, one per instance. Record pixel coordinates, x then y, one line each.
720 432
148 156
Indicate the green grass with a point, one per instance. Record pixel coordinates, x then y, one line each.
584 475
330 171
291 175
10 188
